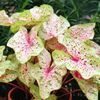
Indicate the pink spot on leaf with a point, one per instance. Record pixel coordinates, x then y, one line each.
76 59
48 71
77 74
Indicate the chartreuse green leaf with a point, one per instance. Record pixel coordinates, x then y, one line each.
87 66
25 44
35 91
82 31
96 80
52 97
60 57
49 77
53 27
89 88
1 52
31 17
5 19
13 59
6 65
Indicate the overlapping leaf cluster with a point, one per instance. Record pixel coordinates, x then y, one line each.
45 48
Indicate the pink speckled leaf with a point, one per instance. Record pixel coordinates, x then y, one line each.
82 31
25 45
30 17
49 78
88 66
40 13
5 19
89 88
44 58
79 48
24 75
53 27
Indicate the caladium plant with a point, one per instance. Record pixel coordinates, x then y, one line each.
46 47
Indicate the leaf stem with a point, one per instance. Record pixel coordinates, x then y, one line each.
10 92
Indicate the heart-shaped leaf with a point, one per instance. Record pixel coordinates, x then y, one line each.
49 77
82 31
53 27
30 17
25 45
87 66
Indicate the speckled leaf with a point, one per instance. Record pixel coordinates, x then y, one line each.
25 45
96 80
8 76
7 65
82 31
87 67
24 75
44 58
5 19
49 77
30 17
89 89
60 57
1 52
13 59
78 48
85 55
39 13
53 27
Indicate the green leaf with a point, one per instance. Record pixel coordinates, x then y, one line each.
35 91
52 97
7 65
1 52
